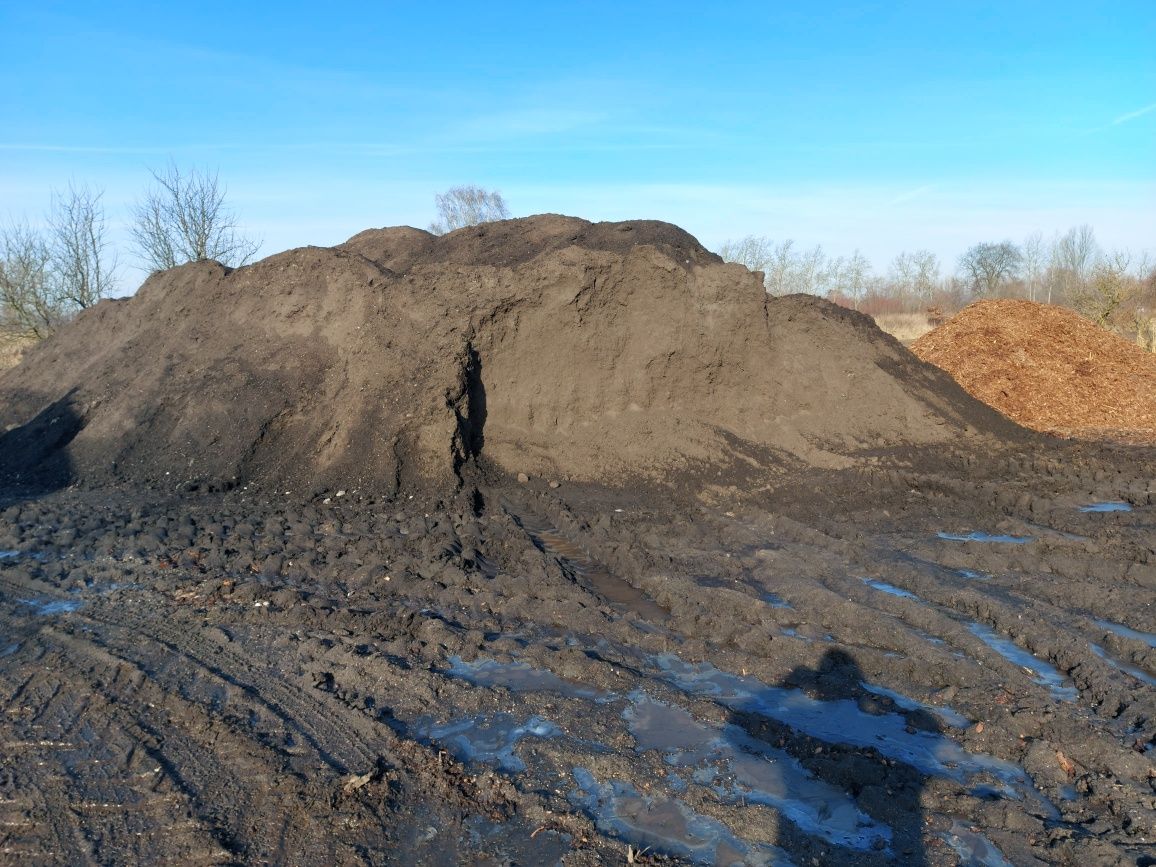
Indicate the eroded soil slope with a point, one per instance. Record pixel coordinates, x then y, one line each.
547 344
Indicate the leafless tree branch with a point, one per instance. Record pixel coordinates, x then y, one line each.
184 218
467 206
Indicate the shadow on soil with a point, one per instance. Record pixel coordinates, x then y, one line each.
884 812
34 458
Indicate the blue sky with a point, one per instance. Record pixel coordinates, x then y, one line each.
879 126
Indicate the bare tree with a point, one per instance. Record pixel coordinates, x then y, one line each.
915 274
48 276
29 307
848 278
752 251
985 267
780 266
1108 287
82 264
464 206
184 218
785 270
808 272
1034 259
790 271
1073 255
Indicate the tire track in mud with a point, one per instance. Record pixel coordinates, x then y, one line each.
580 567
229 778
308 661
344 750
97 801
262 799
940 599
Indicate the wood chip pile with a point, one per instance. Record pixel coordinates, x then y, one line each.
1048 369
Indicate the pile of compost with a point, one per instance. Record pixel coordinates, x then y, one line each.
546 345
1049 369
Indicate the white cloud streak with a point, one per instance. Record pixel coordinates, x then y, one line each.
1132 115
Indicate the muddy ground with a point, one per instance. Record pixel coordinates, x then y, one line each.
831 671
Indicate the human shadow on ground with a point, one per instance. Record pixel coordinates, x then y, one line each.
844 796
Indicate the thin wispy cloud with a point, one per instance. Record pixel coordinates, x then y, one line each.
1132 115
910 195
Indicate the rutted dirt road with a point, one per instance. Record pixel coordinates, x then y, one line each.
932 658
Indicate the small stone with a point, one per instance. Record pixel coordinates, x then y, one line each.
523 478
554 484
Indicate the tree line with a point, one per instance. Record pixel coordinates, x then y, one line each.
1114 288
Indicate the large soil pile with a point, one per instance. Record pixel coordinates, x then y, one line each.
1049 369
547 345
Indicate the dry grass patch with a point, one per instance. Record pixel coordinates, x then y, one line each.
12 349
904 327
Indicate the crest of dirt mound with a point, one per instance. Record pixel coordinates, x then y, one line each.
1049 369
548 345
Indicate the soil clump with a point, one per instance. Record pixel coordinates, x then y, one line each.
1049 369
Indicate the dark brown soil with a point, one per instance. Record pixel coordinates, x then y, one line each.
547 345
746 623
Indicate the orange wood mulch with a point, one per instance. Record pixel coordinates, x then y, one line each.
1049 369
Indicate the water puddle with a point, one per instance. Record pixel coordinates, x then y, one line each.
9 650
1124 632
972 575
948 715
1045 674
776 601
665 826
926 636
489 739
884 587
838 721
46 607
973 849
522 677
9 555
772 599
741 770
1113 506
1142 676
586 571
986 537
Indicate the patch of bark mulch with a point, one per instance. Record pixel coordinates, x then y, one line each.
1049 369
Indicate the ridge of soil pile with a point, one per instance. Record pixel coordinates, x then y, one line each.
548 345
1049 369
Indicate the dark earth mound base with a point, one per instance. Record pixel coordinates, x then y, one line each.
814 676
547 345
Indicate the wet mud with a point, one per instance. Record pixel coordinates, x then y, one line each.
889 663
